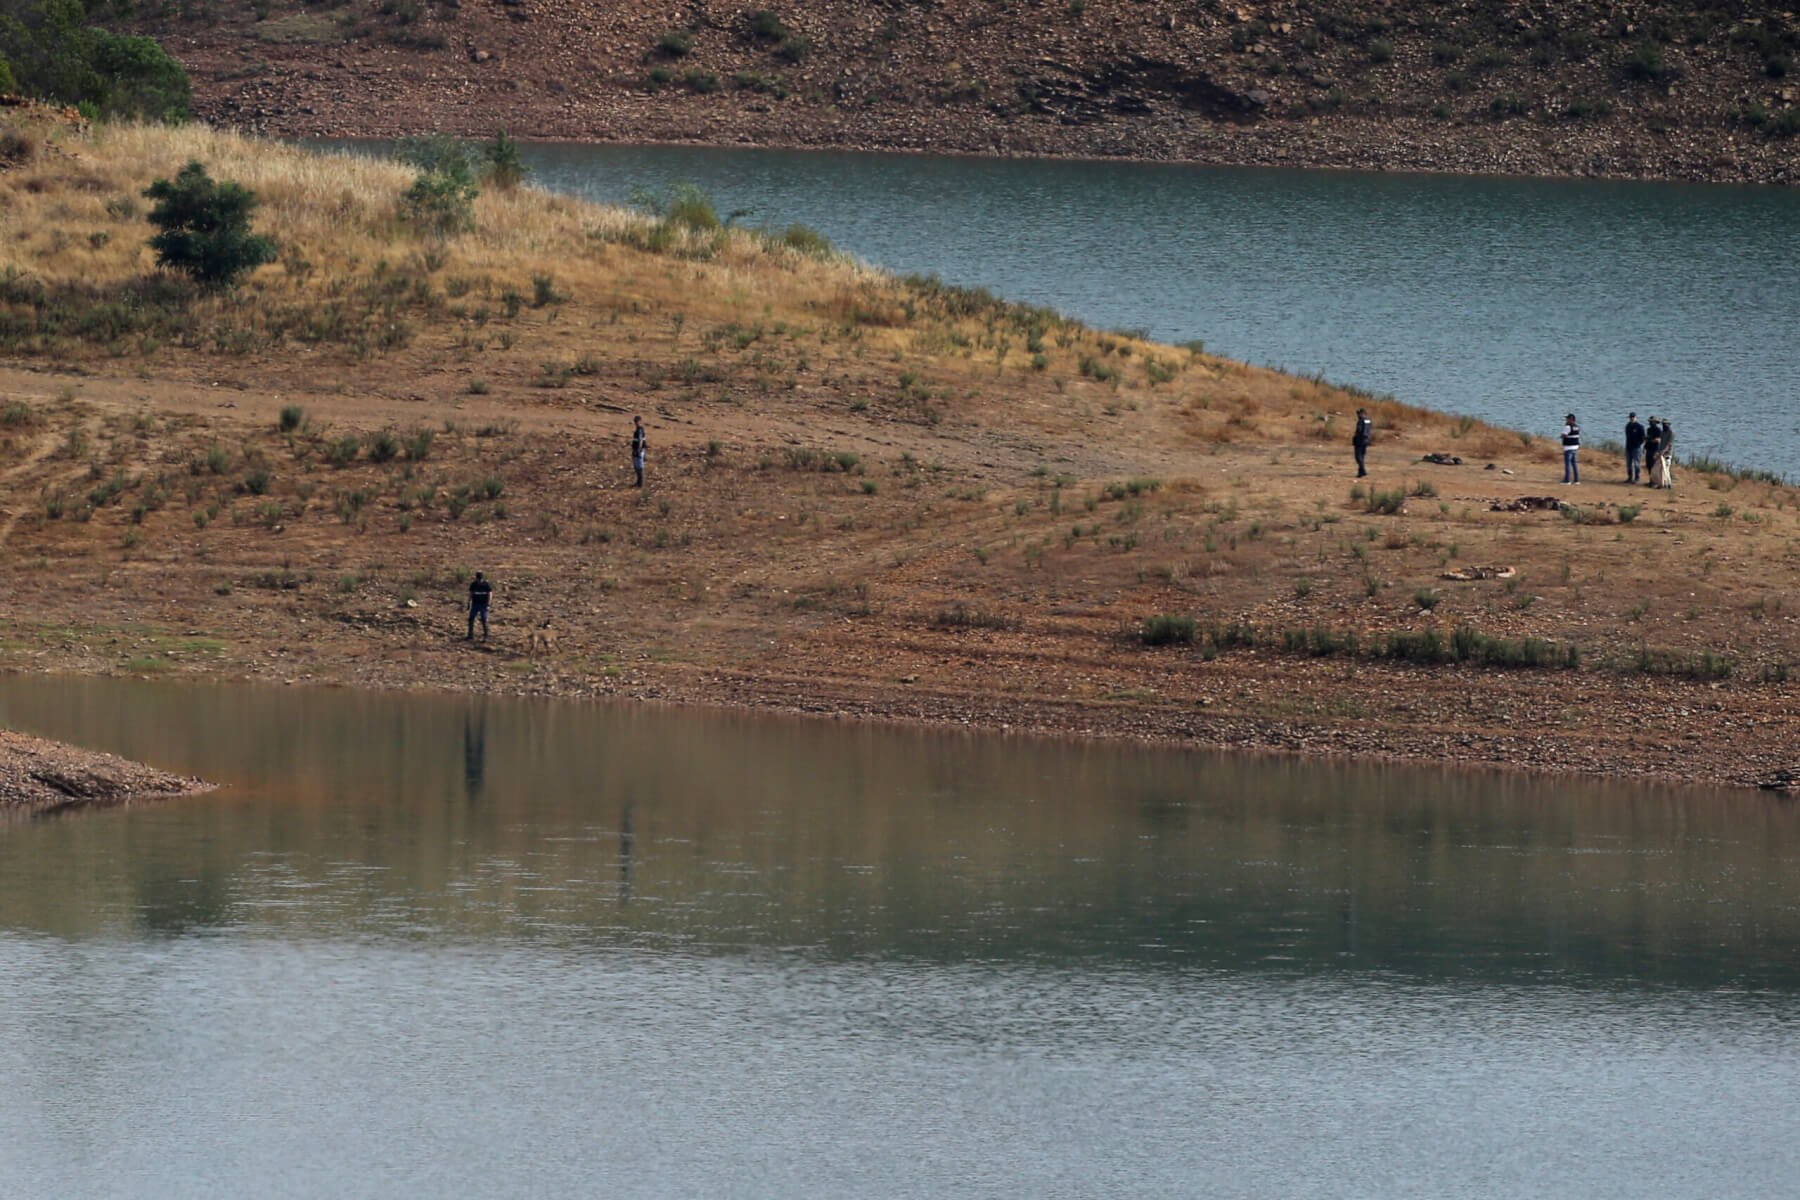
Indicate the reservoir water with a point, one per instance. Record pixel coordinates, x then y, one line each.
1515 300
475 947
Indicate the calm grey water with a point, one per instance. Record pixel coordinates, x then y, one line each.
1513 300
430 946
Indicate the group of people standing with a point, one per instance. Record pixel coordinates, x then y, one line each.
1654 445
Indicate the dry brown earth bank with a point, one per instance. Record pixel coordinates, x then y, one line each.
1624 90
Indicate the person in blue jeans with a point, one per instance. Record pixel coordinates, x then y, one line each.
480 592
1571 443
639 443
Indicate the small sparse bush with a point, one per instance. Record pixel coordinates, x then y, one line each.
342 452
962 617
384 446
1388 502
292 417
1168 629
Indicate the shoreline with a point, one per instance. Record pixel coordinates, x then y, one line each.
1667 732
1383 149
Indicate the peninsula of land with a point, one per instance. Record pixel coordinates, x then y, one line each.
37 775
864 497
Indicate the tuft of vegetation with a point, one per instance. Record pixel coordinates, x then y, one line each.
962 617
1169 629
441 199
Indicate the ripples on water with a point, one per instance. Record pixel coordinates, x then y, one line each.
434 946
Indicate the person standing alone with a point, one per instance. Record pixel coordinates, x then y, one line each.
640 442
479 593
1359 441
1634 449
1571 443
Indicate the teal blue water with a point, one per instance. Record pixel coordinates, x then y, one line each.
445 946
1514 300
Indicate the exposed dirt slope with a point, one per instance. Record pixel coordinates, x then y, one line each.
1586 88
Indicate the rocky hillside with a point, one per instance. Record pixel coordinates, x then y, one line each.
1700 91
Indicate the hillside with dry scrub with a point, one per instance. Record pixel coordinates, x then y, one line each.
867 495
1618 88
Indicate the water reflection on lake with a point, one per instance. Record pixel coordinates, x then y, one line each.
435 945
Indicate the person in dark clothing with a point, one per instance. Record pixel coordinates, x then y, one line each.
640 442
1359 441
1653 447
1571 444
479 593
1666 477
1634 449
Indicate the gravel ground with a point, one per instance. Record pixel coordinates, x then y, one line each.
37 775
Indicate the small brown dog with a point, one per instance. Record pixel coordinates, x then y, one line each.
542 638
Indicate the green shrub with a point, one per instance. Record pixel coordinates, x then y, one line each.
505 169
543 291
384 446
676 43
1645 62
765 26
1168 629
806 240
205 227
439 204
292 417
343 451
